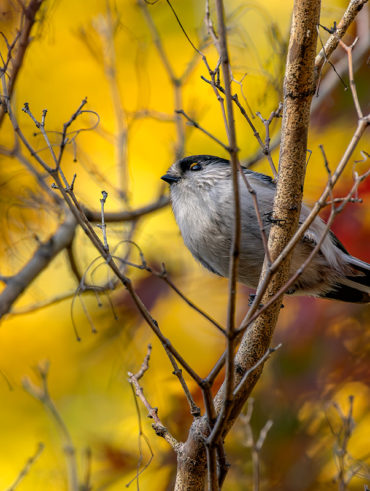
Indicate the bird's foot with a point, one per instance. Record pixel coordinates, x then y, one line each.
252 296
271 219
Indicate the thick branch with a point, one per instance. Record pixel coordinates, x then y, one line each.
349 15
28 19
45 253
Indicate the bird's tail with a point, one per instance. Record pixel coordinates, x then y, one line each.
354 287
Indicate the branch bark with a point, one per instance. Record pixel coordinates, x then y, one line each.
349 15
46 252
28 20
127 215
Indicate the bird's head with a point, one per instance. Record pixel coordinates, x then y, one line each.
197 170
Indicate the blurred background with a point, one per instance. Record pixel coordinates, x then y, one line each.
106 51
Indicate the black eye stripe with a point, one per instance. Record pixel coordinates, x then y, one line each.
202 160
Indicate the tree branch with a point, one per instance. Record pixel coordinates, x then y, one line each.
44 254
28 18
331 44
127 215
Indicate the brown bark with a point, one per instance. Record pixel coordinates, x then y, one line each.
44 254
192 459
29 17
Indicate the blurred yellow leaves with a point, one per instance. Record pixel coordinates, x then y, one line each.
100 49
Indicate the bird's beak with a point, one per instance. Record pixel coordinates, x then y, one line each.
170 178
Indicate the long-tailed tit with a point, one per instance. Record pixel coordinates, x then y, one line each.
202 202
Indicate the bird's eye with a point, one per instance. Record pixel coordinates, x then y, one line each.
195 166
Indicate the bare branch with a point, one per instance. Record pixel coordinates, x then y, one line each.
175 81
103 225
261 361
349 16
203 130
26 469
255 446
145 365
267 123
27 21
158 427
163 275
321 202
352 84
235 247
44 254
127 215
347 466
194 409
264 150
330 80
42 394
139 468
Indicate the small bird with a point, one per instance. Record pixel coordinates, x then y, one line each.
202 202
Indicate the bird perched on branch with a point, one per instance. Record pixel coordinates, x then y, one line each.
202 202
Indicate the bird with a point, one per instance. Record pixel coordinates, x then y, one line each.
201 194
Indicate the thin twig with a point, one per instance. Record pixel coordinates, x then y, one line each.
175 81
253 313
163 275
127 215
42 394
103 225
66 125
330 82
235 248
194 409
212 468
158 427
27 467
262 360
263 151
320 203
141 435
352 84
145 365
255 446
267 124
192 122
78 213
347 466
349 15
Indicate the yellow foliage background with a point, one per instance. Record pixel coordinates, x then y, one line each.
87 379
